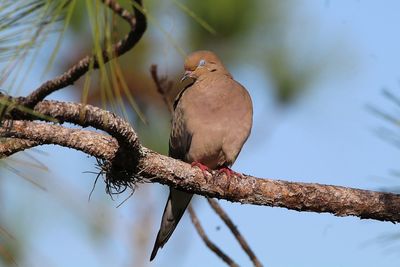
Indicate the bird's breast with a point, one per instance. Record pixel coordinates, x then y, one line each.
214 111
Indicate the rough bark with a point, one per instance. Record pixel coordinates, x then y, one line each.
150 166
91 143
247 189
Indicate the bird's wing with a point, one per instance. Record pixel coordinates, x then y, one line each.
179 144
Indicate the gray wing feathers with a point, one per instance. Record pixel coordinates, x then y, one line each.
178 201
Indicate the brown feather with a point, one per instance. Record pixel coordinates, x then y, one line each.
212 120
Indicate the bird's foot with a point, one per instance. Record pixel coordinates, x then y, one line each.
201 166
228 171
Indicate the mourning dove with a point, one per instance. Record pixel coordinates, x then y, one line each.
212 119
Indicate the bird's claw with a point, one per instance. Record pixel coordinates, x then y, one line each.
228 171
202 167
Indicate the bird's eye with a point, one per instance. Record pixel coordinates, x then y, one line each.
202 63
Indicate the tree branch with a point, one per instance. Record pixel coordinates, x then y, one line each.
87 115
123 13
222 214
9 146
138 26
207 241
163 86
91 143
246 189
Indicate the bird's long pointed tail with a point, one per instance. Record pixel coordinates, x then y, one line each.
174 209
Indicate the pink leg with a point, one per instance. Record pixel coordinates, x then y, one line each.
228 171
201 166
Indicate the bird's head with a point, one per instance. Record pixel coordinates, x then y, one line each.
202 62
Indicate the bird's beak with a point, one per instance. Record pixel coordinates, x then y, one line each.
188 74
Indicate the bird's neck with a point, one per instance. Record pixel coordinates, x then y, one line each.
214 74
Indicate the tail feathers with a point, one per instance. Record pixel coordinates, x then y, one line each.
174 209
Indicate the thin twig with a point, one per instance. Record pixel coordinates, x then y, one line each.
224 216
163 86
138 26
207 241
7 255
123 13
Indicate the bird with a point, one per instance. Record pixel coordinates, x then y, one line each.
212 120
